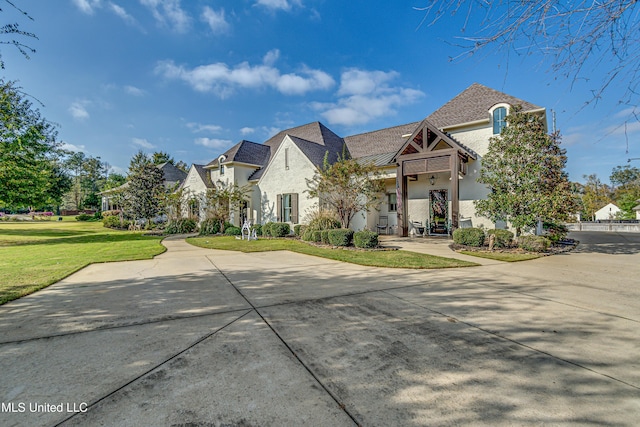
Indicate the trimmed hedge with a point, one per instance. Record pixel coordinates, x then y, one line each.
365 239
340 236
316 236
210 226
324 236
280 229
469 237
257 228
232 231
504 238
534 243
299 229
114 222
181 226
266 229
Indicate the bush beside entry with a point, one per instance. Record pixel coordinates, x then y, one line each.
365 239
534 243
504 238
469 237
341 236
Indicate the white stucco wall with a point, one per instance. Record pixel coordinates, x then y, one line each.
277 179
607 212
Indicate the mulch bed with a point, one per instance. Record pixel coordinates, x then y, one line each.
557 248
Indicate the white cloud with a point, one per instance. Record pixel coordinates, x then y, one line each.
141 142
71 147
198 127
78 110
122 13
212 142
132 90
365 96
87 6
247 131
222 79
279 4
169 12
215 20
625 128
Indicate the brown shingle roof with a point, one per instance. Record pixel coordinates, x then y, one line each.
380 141
473 104
244 152
314 139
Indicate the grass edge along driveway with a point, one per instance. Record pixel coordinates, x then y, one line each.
391 259
34 255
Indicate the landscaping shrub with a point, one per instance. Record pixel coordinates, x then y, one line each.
316 236
181 226
299 229
280 229
257 228
469 236
324 236
210 226
534 243
504 238
114 222
340 236
232 231
555 232
365 239
307 235
266 229
85 217
113 212
324 222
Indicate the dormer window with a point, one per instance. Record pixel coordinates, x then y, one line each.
499 119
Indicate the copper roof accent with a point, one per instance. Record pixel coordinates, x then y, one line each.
473 104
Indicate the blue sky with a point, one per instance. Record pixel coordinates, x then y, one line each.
192 78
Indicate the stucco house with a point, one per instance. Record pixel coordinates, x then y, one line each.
430 167
607 212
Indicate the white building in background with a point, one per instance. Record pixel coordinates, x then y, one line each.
607 212
430 167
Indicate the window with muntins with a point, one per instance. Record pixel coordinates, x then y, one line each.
221 169
393 202
499 119
287 205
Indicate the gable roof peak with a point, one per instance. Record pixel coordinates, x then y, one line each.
473 104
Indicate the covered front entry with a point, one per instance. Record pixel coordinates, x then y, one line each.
431 153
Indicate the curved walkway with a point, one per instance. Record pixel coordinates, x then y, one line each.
202 337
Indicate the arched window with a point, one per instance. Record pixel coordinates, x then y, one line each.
499 119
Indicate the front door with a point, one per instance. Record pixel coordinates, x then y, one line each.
438 211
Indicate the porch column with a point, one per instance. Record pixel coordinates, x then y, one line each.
455 191
401 200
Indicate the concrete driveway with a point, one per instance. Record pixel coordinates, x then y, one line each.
198 337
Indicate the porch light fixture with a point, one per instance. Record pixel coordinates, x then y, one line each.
432 180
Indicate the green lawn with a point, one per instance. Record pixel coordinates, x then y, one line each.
394 259
34 255
502 256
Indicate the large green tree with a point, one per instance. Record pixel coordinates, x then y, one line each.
29 171
627 191
143 196
524 169
595 195
347 187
